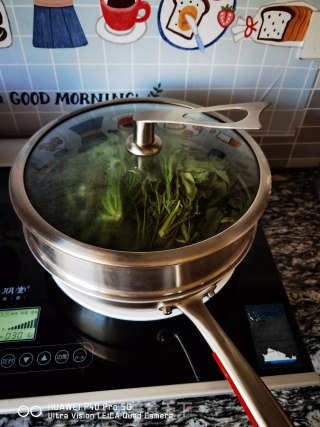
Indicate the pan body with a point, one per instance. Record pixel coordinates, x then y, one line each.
147 284
125 311
137 278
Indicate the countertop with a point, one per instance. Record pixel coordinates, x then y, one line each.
292 226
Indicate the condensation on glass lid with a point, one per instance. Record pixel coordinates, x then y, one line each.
93 190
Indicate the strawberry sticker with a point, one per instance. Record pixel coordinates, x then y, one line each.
226 16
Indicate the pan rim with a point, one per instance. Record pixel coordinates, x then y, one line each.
64 243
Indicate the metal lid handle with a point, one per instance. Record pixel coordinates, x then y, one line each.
144 137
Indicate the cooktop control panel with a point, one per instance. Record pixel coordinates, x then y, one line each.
27 359
18 352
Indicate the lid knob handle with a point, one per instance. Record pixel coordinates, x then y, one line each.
143 141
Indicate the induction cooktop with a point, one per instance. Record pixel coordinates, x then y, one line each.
53 350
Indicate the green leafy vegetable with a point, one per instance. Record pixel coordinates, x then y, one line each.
111 202
119 201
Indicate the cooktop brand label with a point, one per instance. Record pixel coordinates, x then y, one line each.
14 293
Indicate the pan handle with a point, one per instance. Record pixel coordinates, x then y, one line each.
261 407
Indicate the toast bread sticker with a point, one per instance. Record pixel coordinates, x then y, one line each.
177 22
194 24
277 24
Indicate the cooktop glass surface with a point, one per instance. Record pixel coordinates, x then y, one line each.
50 345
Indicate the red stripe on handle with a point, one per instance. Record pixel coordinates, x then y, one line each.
236 391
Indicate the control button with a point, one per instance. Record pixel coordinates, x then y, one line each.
62 356
79 355
44 358
25 359
7 361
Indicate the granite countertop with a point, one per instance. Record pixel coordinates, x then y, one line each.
292 226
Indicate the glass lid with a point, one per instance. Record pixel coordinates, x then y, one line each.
82 180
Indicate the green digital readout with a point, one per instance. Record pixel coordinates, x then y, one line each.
19 324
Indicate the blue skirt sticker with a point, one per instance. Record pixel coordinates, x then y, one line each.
57 27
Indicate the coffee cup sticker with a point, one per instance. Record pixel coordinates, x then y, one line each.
194 24
5 32
123 21
276 24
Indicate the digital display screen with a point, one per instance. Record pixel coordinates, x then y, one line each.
19 324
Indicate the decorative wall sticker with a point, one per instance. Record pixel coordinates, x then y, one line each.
226 16
277 24
56 25
157 90
123 21
194 24
5 32
66 98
